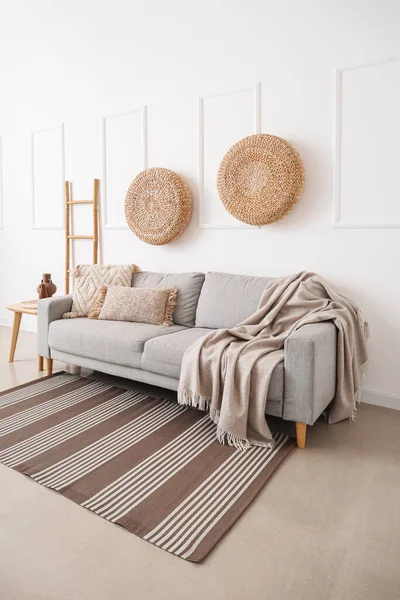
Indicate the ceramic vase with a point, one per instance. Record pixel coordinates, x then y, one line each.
51 288
42 291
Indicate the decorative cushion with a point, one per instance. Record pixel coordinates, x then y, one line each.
139 305
89 278
226 299
189 286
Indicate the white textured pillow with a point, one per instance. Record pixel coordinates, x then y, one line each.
88 280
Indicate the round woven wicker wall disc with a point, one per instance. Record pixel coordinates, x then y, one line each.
158 206
260 179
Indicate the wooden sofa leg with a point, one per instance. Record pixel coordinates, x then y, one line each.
49 366
301 432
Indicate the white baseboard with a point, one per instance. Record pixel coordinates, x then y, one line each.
379 399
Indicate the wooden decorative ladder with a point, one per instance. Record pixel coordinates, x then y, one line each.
69 237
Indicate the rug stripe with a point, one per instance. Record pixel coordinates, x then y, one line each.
234 478
111 446
232 499
115 437
225 470
148 464
49 438
29 416
155 534
91 457
116 449
35 389
197 516
124 503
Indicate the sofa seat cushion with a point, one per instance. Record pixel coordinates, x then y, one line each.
164 354
188 285
115 342
226 299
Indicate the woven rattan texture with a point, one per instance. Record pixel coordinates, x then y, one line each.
260 179
158 206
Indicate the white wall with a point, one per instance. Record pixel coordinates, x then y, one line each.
77 62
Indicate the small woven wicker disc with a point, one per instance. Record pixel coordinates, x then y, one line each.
158 206
260 179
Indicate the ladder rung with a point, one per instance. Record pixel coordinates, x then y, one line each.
80 237
80 202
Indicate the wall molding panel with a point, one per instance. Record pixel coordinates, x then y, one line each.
253 116
339 221
124 155
48 177
1 185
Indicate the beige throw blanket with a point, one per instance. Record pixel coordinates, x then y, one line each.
228 371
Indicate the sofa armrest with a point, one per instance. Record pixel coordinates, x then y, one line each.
310 371
49 310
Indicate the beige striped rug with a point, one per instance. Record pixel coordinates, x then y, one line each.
148 464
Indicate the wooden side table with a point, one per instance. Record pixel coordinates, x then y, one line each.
18 311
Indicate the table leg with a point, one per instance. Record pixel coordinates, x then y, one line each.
14 335
40 363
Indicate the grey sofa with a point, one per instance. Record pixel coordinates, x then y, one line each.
301 387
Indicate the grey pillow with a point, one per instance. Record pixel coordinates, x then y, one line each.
189 286
227 299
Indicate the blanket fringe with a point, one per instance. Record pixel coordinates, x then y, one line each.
189 398
238 442
232 440
203 403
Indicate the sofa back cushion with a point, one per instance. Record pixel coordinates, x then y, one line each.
189 286
226 300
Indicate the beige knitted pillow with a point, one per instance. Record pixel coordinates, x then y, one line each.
140 305
89 278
